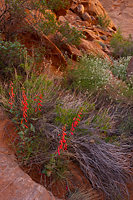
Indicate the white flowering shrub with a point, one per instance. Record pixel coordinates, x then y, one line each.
90 74
119 67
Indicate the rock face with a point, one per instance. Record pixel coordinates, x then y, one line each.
130 71
121 12
15 184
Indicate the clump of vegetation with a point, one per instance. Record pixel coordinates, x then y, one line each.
103 21
119 67
89 75
11 56
122 47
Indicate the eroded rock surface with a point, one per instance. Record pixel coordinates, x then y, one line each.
121 12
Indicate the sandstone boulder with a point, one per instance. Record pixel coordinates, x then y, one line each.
86 17
70 50
130 71
80 9
75 20
90 47
90 35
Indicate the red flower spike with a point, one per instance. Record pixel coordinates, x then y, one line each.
38 104
11 95
25 107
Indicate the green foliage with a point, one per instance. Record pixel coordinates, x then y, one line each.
34 85
57 4
122 47
65 116
103 21
11 55
70 34
89 75
14 59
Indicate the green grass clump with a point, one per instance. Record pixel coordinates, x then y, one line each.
122 47
103 21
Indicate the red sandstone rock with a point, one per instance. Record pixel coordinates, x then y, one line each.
90 47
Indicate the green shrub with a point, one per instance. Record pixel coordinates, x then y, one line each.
14 59
57 4
103 21
89 75
122 47
11 55
70 35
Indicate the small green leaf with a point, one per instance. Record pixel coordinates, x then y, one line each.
43 171
32 128
20 133
34 118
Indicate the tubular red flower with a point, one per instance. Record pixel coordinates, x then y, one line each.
25 106
38 100
75 122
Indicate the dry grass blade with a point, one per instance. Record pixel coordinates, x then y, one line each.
104 164
82 194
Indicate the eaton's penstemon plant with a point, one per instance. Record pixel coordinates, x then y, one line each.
38 99
75 122
24 108
63 143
